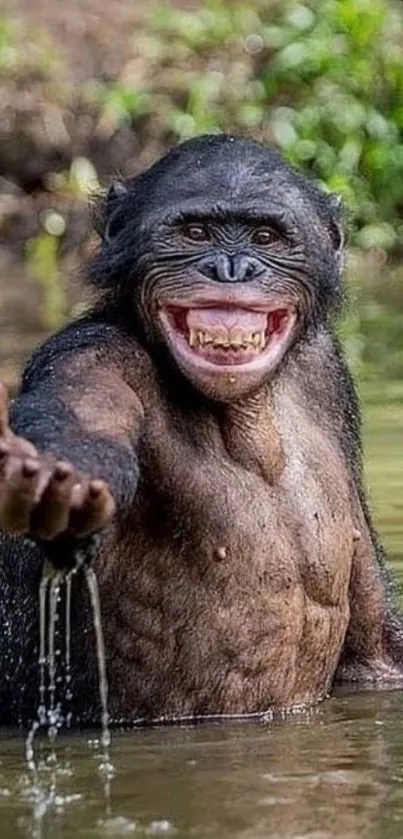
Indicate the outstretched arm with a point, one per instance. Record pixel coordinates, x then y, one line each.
67 458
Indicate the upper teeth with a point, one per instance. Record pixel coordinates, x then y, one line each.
223 338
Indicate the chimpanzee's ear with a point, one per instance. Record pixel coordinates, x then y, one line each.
113 215
336 223
109 211
116 190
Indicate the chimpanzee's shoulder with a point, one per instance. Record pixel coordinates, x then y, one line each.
88 335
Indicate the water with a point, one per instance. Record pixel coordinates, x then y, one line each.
100 647
333 773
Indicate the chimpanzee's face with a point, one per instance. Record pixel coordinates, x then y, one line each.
234 257
223 301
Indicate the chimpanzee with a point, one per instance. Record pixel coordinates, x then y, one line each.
196 436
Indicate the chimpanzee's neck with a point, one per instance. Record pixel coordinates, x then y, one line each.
250 434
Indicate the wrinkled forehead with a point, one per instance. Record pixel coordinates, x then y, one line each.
232 182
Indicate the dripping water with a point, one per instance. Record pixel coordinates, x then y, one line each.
43 792
49 709
54 710
106 768
67 649
43 590
92 584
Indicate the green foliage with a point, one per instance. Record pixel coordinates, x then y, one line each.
8 51
324 81
372 329
345 122
122 104
80 182
24 53
42 253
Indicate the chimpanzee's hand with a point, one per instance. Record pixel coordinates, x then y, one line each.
42 496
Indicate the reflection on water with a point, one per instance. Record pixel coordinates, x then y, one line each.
333 773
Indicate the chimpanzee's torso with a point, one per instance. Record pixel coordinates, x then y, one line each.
232 597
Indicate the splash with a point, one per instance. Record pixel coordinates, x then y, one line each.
55 599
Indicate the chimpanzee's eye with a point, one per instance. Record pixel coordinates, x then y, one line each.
265 236
196 232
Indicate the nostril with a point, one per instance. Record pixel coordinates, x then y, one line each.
208 268
247 268
250 271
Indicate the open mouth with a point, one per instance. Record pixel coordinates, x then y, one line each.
220 336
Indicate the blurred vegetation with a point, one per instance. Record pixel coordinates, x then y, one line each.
323 81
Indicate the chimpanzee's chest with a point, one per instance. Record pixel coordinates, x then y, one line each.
221 522
233 592
233 588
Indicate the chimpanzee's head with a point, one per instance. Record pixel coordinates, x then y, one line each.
223 256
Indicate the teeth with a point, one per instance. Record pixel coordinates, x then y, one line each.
219 338
236 338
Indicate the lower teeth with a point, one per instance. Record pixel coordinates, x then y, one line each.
233 347
197 339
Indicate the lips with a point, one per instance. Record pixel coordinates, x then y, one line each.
227 335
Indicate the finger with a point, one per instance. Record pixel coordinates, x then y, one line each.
80 492
45 476
3 410
96 509
17 493
4 456
16 447
50 516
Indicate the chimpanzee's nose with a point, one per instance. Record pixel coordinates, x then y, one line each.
231 269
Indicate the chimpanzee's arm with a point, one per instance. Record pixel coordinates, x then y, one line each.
75 403
373 647
83 418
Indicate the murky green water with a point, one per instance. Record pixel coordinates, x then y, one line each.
383 439
336 772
